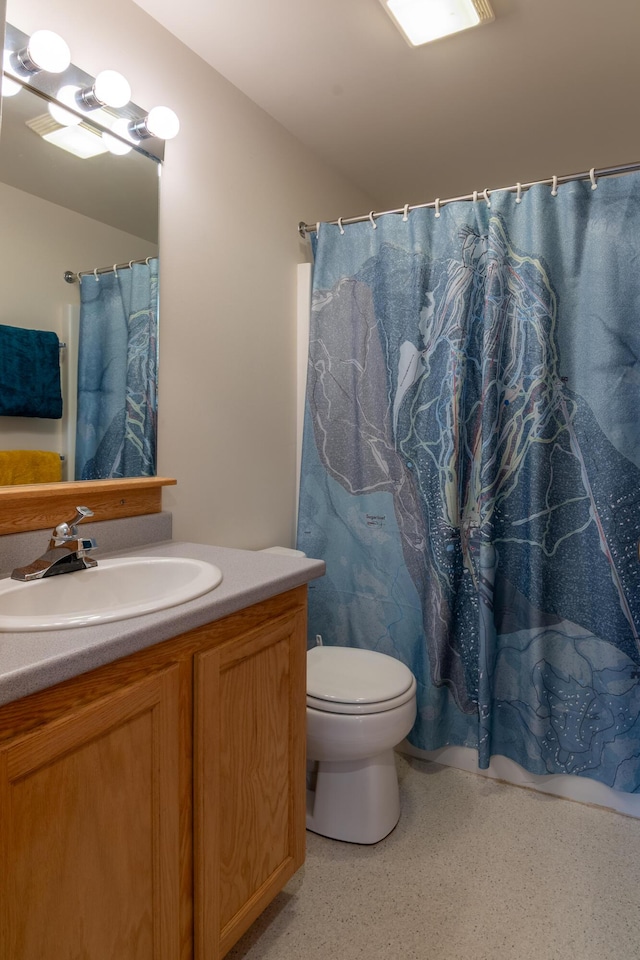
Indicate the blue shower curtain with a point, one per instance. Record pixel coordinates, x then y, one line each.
471 468
117 373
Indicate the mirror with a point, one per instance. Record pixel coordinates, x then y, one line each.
62 213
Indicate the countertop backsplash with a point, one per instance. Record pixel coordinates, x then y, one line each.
19 549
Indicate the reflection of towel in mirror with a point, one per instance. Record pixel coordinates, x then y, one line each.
29 373
29 466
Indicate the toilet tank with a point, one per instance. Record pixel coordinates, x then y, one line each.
284 551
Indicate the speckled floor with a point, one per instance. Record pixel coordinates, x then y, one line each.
475 870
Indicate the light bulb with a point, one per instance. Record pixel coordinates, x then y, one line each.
10 87
7 64
114 145
67 95
160 122
110 89
45 51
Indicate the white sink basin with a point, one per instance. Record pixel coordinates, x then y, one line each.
114 590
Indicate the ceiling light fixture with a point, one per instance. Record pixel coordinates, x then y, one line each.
82 141
45 50
76 140
421 21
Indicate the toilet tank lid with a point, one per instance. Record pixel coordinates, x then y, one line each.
353 675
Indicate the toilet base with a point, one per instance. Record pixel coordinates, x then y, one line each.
355 800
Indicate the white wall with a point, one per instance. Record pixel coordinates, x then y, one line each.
38 242
234 186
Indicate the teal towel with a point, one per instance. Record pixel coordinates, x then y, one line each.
29 373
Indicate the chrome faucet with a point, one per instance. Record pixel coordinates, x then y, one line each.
67 551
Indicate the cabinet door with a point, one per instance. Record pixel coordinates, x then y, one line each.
249 801
89 839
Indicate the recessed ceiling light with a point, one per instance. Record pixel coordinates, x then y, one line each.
82 141
76 140
421 21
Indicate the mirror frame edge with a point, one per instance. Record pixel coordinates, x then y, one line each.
39 506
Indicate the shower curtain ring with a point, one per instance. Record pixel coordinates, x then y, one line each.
95 273
438 207
554 188
130 264
373 223
405 215
475 196
518 192
340 227
592 177
115 271
485 194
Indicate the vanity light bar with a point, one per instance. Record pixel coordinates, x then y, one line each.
42 62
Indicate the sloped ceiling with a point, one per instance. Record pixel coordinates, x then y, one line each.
550 87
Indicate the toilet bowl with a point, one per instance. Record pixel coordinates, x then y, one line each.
360 705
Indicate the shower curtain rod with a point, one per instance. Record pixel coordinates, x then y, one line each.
518 188
72 277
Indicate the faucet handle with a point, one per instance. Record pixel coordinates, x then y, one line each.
68 528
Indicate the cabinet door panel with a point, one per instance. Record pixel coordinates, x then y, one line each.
250 777
89 834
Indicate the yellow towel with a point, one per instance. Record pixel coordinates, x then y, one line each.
29 466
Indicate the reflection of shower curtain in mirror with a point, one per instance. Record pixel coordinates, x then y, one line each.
117 373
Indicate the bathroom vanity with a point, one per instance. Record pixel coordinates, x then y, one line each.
153 801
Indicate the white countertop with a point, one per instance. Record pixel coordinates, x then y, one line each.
34 661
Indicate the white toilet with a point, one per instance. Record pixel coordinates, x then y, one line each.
360 705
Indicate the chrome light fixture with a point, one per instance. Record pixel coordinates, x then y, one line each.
160 122
45 50
421 21
81 103
110 89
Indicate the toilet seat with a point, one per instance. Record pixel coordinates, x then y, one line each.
350 680
376 706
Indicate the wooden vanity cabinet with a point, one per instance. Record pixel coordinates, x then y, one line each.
152 808
89 841
250 709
